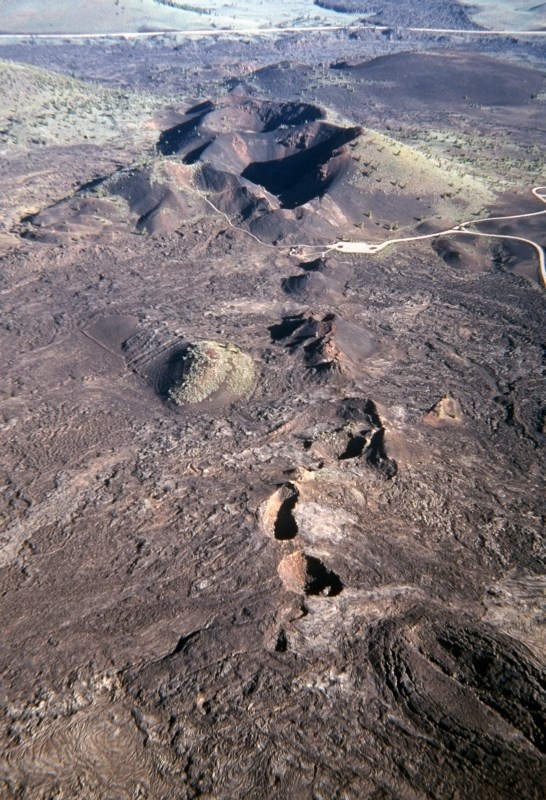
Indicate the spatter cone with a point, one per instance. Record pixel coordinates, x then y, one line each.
213 370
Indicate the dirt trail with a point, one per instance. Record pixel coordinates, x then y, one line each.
538 191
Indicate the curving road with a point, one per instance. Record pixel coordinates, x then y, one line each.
370 248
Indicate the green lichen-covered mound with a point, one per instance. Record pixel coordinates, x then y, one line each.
213 370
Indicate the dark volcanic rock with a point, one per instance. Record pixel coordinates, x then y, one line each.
410 13
272 514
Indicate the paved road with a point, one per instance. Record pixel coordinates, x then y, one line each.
260 31
461 230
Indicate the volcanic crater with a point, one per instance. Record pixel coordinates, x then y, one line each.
283 171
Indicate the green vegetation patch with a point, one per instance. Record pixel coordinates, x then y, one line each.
213 368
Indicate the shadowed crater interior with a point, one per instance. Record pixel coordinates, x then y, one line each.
285 525
299 177
308 575
277 513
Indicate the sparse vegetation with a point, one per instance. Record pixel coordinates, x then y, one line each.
58 109
488 156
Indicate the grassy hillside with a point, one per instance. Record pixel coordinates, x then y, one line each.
43 107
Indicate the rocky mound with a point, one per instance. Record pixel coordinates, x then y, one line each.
328 342
360 438
210 368
446 411
196 372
